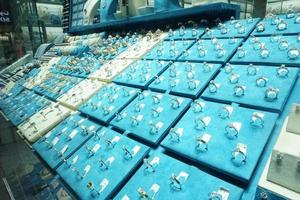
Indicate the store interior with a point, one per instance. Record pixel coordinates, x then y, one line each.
150 99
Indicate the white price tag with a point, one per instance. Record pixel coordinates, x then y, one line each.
155 187
237 125
104 183
96 148
81 121
125 197
155 161
75 159
55 140
87 169
48 135
135 150
140 117
92 128
159 109
159 124
64 149
73 134
115 139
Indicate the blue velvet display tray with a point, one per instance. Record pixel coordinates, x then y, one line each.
157 184
72 133
185 78
107 163
75 51
169 50
215 50
22 106
232 28
254 95
191 128
252 51
272 25
108 101
189 33
150 115
15 90
56 85
141 73
80 68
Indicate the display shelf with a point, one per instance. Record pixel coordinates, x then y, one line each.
80 93
279 178
232 28
151 115
63 140
110 100
43 121
185 78
269 50
263 87
56 85
163 12
12 91
141 73
210 130
98 168
169 50
72 50
214 50
22 106
284 24
156 180
111 69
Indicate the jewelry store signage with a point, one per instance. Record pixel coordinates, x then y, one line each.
4 16
5 13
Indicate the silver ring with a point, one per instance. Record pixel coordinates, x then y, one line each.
231 131
202 142
264 52
261 81
224 112
240 150
282 71
155 99
155 112
175 103
282 25
148 165
257 120
293 53
213 87
174 135
127 154
271 94
283 45
234 78
260 27
197 106
153 128
134 121
239 90
241 53
200 123
252 70
192 84
175 183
